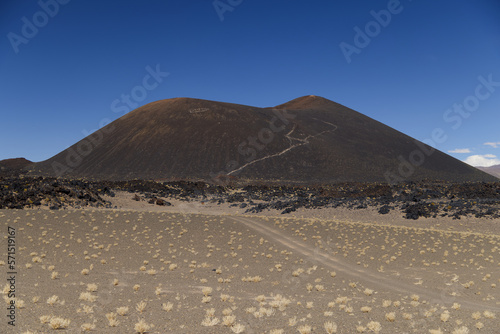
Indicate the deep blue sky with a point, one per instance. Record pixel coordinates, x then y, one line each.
63 81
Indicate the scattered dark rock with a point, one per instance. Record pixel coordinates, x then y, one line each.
384 209
414 199
161 202
414 211
28 192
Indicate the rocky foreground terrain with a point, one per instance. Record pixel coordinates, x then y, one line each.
413 199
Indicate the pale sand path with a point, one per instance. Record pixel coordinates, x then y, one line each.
435 294
375 278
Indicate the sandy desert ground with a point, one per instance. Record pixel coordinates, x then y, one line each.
202 268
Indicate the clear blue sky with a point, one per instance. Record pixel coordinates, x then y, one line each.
64 77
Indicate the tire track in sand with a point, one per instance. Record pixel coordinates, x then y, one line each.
434 296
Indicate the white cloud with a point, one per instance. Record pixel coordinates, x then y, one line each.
460 150
485 160
493 144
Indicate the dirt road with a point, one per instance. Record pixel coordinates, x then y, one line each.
375 279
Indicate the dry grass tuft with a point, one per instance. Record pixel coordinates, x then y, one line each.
87 327
435 331
53 300
374 326
209 321
228 320
276 331
461 330
207 291
122 310
88 297
489 315
391 316
141 306
238 328
44 319
304 329
330 327
445 316
167 307
59 323
141 327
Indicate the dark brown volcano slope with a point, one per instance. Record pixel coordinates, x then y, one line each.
13 166
307 140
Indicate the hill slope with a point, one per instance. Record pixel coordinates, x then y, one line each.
493 170
306 140
14 166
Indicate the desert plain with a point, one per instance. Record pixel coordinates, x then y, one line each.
197 267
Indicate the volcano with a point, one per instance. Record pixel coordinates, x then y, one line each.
13 166
309 140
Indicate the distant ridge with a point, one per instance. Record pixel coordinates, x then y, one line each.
15 163
13 166
492 170
308 140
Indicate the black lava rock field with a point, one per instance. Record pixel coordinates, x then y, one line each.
413 199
